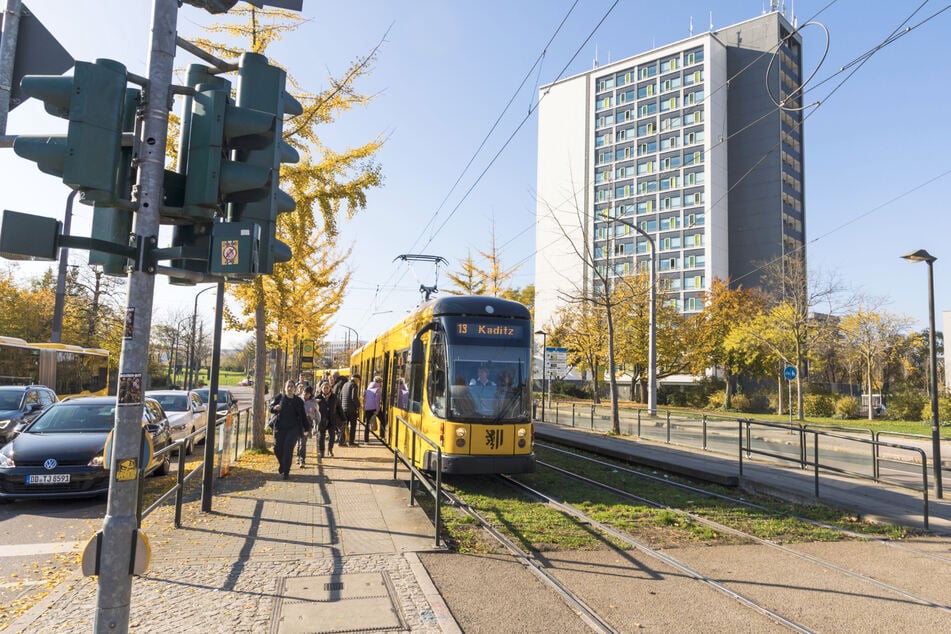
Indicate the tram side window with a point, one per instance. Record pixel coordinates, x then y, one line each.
415 396
399 395
436 384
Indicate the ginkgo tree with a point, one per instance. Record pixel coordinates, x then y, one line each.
302 295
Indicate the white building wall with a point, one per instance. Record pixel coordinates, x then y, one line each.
715 150
563 198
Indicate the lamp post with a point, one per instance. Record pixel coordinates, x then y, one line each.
923 256
175 346
190 373
355 334
652 326
544 368
60 300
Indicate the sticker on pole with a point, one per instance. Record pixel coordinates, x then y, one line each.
790 372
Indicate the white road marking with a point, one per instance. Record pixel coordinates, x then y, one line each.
25 550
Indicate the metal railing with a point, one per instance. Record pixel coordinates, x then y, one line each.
804 462
416 475
231 445
713 432
178 489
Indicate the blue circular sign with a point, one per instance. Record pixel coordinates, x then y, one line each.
790 372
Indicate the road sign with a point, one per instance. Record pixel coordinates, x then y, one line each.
556 360
790 372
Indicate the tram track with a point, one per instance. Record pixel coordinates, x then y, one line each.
738 501
660 556
841 580
723 528
588 615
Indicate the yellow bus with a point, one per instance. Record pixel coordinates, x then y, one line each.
66 369
458 370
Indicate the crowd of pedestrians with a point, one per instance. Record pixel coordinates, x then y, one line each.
334 412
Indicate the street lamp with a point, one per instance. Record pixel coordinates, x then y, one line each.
652 327
355 334
544 368
923 256
176 343
190 374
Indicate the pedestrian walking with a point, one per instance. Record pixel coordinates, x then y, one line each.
350 403
331 417
371 405
313 418
290 421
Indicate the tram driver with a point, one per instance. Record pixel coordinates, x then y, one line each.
483 392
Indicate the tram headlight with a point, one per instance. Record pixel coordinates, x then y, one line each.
460 436
522 432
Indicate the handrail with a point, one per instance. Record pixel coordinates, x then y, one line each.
818 466
178 489
415 473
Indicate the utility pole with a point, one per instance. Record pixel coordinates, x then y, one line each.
121 537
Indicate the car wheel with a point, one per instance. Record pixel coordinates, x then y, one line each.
166 465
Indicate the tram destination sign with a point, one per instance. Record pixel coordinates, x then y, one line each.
475 330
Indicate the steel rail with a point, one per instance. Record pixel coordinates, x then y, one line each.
739 533
667 559
588 615
746 503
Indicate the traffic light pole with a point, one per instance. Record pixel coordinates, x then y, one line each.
120 536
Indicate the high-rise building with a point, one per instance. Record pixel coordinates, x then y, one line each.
699 143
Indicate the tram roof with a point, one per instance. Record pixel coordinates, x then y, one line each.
476 305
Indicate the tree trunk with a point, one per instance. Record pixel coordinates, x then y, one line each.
727 389
612 374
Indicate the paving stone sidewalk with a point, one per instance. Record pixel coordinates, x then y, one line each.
332 548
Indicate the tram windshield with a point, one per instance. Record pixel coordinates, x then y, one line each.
488 371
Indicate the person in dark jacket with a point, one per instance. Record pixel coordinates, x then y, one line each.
290 423
350 403
330 418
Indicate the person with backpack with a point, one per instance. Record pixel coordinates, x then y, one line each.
350 403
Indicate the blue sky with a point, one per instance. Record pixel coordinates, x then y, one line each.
875 169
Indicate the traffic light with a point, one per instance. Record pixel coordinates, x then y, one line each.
261 88
87 157
111 223
213 129
217 128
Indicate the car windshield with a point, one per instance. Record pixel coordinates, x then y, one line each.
172 402
203 395
10 399
76 417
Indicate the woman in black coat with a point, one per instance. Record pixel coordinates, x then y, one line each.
290 422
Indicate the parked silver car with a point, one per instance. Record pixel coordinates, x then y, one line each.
186 414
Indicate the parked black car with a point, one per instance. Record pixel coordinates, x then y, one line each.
19 404
60 453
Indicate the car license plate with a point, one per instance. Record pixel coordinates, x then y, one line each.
48 478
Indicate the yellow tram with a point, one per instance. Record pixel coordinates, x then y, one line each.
458 370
